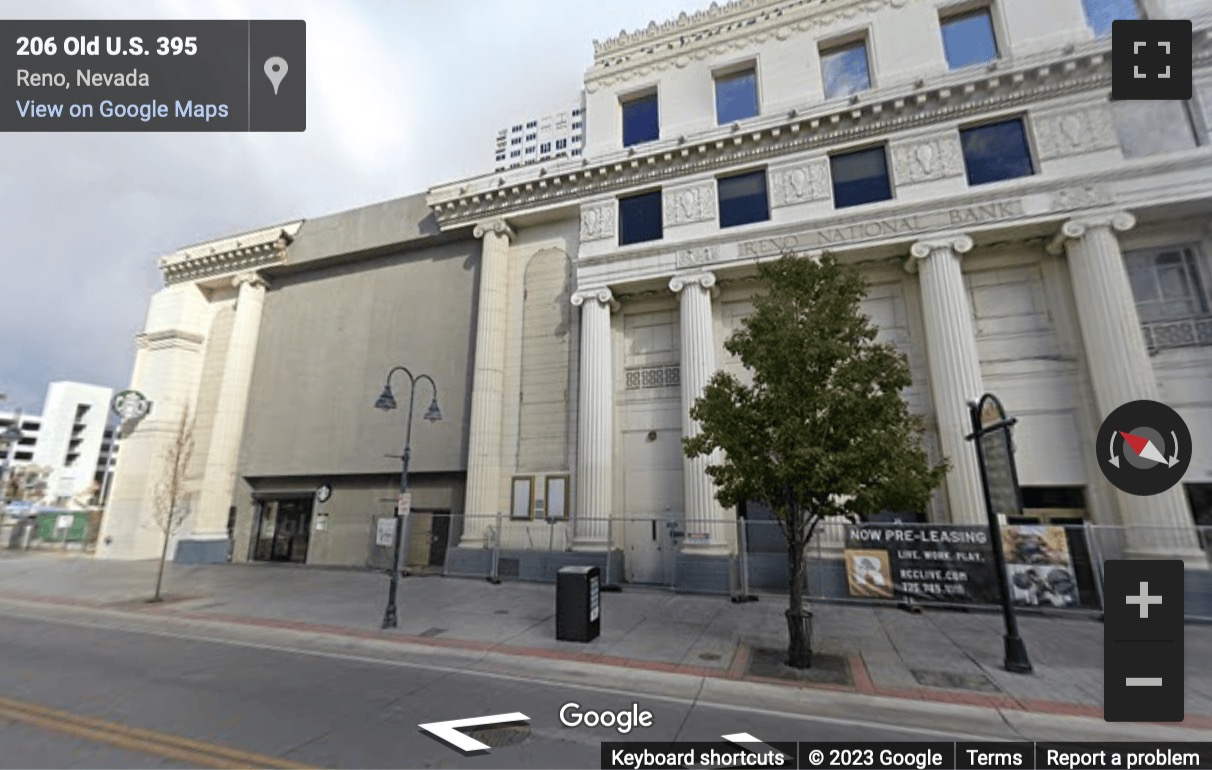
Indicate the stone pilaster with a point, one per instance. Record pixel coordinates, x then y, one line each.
595 421
1161 526
955 369
483 501
218 483
702 512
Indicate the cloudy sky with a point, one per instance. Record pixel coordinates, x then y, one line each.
402 95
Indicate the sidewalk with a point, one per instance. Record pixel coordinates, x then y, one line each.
949 657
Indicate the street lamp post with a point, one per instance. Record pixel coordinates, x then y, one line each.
387 402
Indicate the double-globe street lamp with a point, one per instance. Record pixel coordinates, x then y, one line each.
387 402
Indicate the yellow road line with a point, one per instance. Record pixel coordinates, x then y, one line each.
192 752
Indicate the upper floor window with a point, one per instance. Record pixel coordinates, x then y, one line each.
1100 13
860 177
640 218
845 69
968 37
531 137
641 120
561 144
996 151
545 147
532 124
515 154
736 95
576 126
576 111
743 199
1171 297
517 127
516 140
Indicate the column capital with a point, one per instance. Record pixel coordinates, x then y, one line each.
252 278
924 249
498 226
704 279
602 295
1118 221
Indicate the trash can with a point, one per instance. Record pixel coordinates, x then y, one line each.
578 604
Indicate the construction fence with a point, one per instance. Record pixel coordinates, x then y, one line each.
1048 566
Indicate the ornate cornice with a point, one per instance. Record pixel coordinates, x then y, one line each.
883 113
1005 85
239 253
718 28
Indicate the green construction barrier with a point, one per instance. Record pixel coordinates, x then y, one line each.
47 532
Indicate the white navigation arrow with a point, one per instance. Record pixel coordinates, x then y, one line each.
449 730
749 742
1173 459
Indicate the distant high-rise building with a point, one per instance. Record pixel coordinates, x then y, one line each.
559 135
70 438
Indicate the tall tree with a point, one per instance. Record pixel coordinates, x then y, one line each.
821 430
171 502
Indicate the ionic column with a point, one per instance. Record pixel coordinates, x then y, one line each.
483 501
955 367
1161 526
702 512
595 422
219 481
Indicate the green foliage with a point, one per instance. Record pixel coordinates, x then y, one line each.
822 430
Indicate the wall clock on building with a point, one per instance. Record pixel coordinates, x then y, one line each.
323 493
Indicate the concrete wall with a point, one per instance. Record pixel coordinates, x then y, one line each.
329 337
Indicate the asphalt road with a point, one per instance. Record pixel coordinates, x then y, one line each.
81 689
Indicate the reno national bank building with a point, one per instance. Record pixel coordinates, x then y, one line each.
1020 232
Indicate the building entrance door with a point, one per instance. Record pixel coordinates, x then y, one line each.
653 503
284 530
428 537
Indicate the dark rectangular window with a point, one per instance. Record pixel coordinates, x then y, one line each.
743 199
641 122
860 177
845 70
1100 13
968 38
640 218
996 151
736 96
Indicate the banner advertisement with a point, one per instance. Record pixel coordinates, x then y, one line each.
1039 566
929 562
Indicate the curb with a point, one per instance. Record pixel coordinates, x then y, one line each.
862 681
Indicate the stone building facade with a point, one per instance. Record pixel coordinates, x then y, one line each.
1020 232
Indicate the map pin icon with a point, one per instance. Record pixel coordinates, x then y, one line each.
275 70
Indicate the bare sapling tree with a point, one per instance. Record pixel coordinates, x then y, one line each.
171 503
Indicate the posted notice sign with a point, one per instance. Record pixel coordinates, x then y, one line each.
385 532
928 562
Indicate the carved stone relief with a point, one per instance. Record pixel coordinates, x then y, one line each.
704 255
597 221
801 183
689 204
1074 132
927 160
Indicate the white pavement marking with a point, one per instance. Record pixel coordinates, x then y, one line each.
519 679
449 730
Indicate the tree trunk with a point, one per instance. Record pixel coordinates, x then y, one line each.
163 557
799 648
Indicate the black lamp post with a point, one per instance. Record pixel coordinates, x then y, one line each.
387 402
